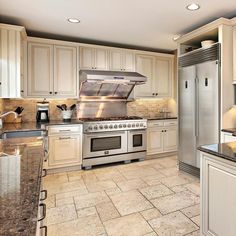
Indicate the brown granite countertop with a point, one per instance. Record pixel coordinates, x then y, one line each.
34 126
160 118
20 177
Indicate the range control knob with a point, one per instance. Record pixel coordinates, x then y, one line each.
120 125
133 125
100 127
137 125
115 126
129 125
90 128
106 126
141 124
124 125
111 126
95 127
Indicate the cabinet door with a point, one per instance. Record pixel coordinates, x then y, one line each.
116 60
170 139
163 77
65 79
40 70
101 59
218 194
128 61
145 66
64 151
234 54
87 58
154 140
10 63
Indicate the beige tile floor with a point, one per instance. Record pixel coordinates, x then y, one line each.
149 198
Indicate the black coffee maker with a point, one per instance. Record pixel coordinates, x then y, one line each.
42 115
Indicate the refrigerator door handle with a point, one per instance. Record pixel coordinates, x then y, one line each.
196 107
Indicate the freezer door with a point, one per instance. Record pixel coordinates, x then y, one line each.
208 104
187 139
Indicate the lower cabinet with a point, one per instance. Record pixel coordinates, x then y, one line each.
227 137
162 136
218 196
64 150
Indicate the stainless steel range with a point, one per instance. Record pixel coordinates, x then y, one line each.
107 140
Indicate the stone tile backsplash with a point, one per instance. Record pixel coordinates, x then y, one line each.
140 107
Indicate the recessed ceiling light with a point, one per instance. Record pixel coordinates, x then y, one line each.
193 7
176 37
73 20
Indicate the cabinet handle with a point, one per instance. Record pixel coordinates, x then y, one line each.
45 230
44 211
44 173
64 130
61 138
45 195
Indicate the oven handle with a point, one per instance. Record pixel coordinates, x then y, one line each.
137 130
104 134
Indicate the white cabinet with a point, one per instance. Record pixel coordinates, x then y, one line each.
162 136
145 65
93 58
159 73
12 45
234 54
227 137
52 70
64 146
64 151
163 76
65 72
40 70
122 60
218 194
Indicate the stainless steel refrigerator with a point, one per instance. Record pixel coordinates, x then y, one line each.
199 104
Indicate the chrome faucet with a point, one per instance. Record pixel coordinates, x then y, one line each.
6 114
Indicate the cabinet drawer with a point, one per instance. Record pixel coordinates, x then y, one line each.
170 123
155 124
59 129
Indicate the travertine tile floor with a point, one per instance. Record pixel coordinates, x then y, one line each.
146 198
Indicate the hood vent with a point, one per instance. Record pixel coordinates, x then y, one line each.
108 85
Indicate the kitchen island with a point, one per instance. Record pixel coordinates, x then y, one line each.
21 162
218 189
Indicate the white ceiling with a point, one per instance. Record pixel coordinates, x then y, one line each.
144 23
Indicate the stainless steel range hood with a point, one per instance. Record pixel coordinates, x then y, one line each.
108 85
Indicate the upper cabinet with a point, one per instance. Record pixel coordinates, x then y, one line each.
12 47
93 58
52 70
122 60
234 54
159 73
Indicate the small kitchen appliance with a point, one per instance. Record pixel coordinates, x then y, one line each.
42 112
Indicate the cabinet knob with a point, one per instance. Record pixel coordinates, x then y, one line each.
55 92
153 94
156 94
50 92
22 91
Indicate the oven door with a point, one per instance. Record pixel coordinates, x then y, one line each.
104 144
137 140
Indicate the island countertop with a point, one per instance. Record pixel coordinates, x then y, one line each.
223 150
20 175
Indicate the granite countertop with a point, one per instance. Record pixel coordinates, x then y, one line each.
230 130
34 126
160 118
20 177
223 150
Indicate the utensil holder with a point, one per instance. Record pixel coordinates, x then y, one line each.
66 115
